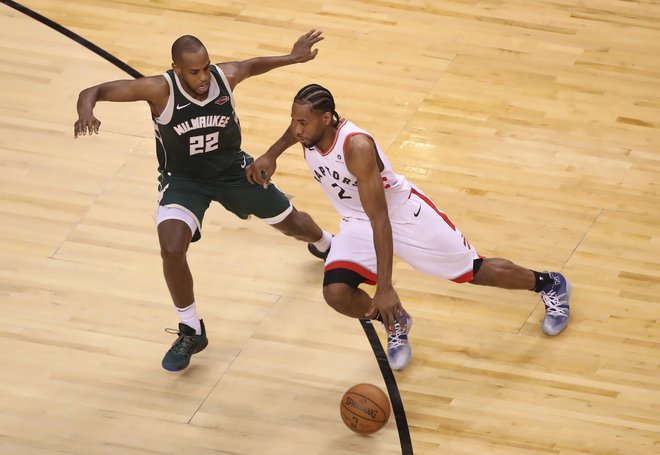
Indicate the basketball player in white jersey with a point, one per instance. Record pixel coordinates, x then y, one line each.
382 214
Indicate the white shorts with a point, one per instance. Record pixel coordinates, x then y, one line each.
423 236
164 212
178 212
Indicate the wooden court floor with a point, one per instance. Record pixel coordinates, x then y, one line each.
534 125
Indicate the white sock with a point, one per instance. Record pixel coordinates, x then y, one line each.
188 316
324 243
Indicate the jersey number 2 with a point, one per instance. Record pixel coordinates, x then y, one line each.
204 144
341 192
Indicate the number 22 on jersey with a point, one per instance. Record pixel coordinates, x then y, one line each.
204 143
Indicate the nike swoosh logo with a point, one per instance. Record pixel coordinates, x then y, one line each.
178 106
418 210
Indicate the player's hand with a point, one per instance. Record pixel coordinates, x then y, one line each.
302 49
86 124
261 170
386 301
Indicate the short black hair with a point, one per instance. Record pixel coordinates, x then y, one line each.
319 98
185 44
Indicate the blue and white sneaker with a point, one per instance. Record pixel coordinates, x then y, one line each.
399 351
555 297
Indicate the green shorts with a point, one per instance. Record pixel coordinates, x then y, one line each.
231 189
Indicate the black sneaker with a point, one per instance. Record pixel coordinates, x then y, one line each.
188 343
318 253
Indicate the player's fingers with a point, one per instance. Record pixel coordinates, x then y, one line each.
249 174
388 322
399 318
405 313
265 181
393 320
253 176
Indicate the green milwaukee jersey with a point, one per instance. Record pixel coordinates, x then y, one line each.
198 139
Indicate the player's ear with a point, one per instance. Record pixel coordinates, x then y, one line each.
327 118
176 69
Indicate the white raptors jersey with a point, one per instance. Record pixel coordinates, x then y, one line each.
329 169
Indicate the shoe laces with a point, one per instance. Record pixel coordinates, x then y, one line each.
396 339
182 345
553 306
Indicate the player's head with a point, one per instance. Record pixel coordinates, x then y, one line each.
313 114
190 61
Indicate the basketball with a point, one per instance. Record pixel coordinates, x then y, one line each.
365 408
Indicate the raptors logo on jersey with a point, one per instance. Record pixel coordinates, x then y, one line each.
329 169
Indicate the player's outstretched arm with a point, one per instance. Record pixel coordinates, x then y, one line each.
154 90
263 168
301 52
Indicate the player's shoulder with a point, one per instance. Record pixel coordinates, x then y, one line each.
157 84
155 80
228 68
356 137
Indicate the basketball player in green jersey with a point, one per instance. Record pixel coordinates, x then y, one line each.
198 145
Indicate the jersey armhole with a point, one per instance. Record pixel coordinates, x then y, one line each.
166 116
226 84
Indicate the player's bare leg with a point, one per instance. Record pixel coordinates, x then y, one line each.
174 237
355 303
301 226
503 273
554 288
349 301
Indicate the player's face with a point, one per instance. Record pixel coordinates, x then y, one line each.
309 126
194 70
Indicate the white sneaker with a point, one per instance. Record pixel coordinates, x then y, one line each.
555 297
399 351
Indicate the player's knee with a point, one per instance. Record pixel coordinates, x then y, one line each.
172 253
174 237
336 295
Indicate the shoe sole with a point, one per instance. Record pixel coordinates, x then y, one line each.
552 333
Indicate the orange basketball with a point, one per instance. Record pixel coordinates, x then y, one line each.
365 408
